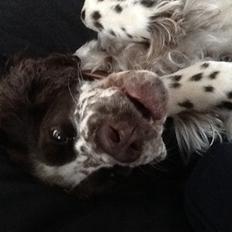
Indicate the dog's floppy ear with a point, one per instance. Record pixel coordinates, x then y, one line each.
27 91
37 80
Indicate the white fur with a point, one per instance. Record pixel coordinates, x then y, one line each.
68 175
197 129
180 33
194 90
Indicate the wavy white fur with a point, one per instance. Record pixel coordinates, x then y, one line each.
162 36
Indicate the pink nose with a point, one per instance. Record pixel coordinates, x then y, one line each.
122 141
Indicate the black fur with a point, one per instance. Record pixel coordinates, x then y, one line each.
31 94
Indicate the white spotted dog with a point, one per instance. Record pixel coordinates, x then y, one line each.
63 127
158 35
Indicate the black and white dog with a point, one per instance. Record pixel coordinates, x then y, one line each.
162 36
64 127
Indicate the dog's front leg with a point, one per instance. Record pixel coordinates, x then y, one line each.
200 102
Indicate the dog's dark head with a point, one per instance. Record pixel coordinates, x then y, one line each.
65 128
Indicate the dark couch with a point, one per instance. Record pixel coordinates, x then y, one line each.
151 199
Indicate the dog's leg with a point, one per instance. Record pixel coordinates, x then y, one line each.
202 87
128 20
177 32
121 25
200 102
117 24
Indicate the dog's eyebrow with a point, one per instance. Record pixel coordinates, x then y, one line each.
96 75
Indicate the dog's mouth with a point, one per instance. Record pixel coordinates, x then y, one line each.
141 107
143 89
148 99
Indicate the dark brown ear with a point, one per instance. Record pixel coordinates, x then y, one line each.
36 81
59 61
39 80
27 91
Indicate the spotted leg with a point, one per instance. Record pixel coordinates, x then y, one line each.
202 88
127 20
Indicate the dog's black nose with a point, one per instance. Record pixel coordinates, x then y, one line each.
121 140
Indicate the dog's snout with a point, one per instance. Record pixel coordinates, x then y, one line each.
122 141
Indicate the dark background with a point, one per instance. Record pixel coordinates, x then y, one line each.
152 199
41 27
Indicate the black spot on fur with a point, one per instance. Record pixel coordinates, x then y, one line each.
118 8
96 15
175 85
98 26
176 77
213 75
186 104
196 77
144 38
112 33
147 3
205 65
209 89
225 105
130 36
229 95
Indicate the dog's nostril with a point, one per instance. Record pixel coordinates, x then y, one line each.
121 140
113 135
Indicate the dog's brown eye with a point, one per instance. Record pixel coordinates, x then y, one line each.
58 136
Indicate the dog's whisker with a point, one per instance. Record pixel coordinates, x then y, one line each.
71 94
